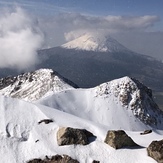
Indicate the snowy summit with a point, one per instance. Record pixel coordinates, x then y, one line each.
31 86
95 42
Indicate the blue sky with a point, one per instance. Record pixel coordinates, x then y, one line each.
61 20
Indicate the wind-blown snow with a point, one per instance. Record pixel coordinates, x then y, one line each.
22 138
95 42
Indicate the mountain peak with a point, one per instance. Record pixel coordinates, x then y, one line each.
95 42
135 96
31 86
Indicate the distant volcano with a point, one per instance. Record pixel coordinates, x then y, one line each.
95 42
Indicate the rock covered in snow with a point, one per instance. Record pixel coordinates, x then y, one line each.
34 85
55 159
135 96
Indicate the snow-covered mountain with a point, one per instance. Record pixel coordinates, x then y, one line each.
124 103
95 42
89 68
124 96
33 85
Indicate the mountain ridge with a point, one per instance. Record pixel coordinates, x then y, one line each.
33 85
124 96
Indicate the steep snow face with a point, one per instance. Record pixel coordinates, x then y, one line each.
122 104
95 42
33 85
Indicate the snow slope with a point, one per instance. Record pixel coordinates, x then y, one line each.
34 85
124 103
22 138
95 42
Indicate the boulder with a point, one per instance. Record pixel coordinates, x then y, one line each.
155 150
119 139
69 136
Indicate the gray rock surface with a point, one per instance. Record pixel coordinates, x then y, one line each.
69 136
119 139
155 150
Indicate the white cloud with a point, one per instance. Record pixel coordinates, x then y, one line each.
19 39
64 27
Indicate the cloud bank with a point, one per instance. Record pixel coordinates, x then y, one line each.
126 29
20 38
76 24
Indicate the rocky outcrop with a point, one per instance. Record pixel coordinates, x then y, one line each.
134 96
155 150
69 136
119 139
55 159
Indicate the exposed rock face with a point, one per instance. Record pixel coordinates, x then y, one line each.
68 136
135 96
55 159
119 139
155 150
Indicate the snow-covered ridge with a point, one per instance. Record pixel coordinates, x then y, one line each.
105 104
31 86
95 42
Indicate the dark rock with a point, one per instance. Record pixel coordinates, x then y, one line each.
67 159
46 121
68 136
119 139
146 132
36 141
155 150
55 159
94 161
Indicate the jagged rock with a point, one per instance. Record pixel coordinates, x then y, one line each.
68 136
155 150
55 159
119 139
146 132
46 121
